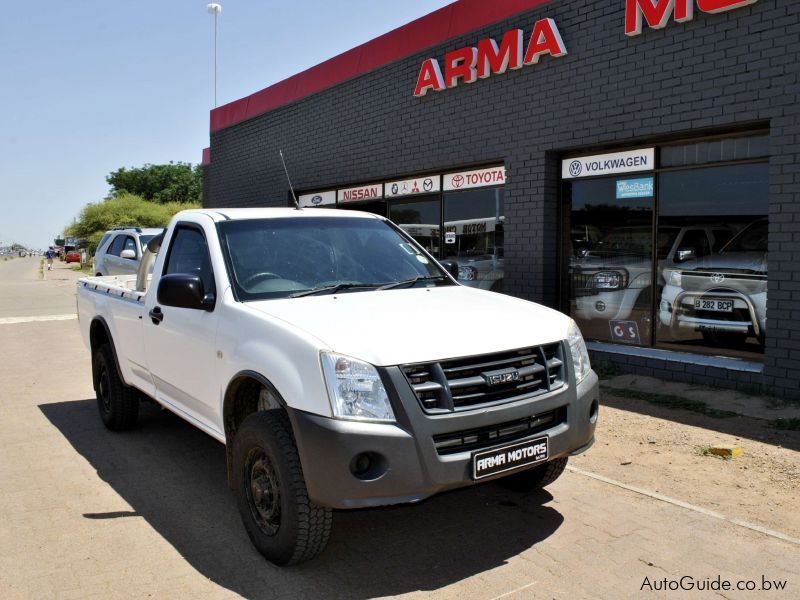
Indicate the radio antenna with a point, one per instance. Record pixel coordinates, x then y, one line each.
291 189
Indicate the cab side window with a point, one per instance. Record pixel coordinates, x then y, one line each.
117 245
188 254
130 244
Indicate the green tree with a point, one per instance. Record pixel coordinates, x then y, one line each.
124 210
173 182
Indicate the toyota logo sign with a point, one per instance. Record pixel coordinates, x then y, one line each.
717 278
458 181
575 168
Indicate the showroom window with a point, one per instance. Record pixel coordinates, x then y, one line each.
473 232
673 256
455 216
419 218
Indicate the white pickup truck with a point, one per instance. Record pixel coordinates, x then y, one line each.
340 365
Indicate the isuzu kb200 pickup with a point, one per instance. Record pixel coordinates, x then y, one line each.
340 365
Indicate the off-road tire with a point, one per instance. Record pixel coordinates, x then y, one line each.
118 403
535 478
301 530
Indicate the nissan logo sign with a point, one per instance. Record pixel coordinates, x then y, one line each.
575 168
717 278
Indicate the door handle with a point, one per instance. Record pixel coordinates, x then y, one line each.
156 315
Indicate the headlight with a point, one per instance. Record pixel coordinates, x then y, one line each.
675 278
355 389
467 273
608 280
580 356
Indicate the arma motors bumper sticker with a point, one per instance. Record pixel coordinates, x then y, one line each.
506 458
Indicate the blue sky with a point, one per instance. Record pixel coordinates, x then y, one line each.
90 86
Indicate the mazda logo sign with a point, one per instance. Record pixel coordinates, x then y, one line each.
717 278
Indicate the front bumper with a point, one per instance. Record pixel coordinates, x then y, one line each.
405 464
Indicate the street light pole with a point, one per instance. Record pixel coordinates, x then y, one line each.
215 9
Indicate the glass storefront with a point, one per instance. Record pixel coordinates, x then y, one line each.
675 257
473 232
458 216
420 219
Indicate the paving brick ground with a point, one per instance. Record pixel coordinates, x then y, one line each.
85 513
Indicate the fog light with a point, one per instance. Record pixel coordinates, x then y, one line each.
594 409
600 305
368 466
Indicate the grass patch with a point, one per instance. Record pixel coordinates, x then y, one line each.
792 424
606 371
706 451
671 401
83 269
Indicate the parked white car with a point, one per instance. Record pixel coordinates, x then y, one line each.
722 296
120 250
612 280
293 337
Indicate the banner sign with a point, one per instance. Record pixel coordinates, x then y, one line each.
410 187
634 188
487 58
609 164
465 180
364 192
318 199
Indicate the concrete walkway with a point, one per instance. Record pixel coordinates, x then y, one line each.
87 513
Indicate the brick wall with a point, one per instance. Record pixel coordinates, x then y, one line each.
712 74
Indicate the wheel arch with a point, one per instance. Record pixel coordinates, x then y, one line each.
99 334
243 396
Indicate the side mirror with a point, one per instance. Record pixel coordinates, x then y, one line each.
128 253
451 267
684 254
183 290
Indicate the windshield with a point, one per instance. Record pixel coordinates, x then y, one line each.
752 239
278 258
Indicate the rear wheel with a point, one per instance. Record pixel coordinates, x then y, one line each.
535 478
118 403
281 521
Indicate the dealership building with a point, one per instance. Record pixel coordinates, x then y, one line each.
632 163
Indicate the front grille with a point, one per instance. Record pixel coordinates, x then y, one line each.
483 437
463 383
582 284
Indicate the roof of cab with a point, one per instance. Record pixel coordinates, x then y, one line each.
235 214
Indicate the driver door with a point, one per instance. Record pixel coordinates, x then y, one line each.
181 342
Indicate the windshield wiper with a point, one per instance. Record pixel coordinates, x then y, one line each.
333 289
412 281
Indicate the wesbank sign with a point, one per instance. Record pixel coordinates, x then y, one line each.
467 65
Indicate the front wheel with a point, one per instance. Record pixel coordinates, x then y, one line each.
535 478
281 521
